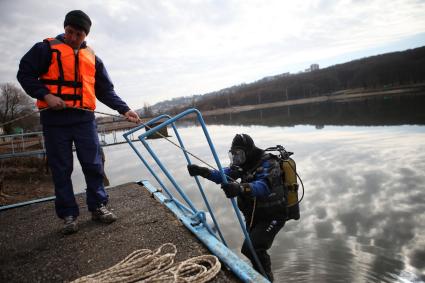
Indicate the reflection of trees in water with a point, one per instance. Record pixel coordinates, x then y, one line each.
391 110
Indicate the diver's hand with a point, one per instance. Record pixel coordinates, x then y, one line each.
232 189
236 172
195 170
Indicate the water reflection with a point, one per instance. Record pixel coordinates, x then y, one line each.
362 218
406 109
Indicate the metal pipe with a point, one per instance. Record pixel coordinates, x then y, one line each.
143 137
200 119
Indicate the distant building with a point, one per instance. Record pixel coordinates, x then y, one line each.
314 67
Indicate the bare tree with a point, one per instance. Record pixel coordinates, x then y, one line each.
147 110
14 103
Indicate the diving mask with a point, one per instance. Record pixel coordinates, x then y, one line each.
237 157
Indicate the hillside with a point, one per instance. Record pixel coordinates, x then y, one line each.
371 73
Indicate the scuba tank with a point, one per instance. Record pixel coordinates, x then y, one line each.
289 178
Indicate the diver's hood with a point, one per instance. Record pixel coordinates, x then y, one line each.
253 154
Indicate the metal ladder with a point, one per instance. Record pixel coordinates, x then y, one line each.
192 217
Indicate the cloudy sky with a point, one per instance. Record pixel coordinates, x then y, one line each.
157 50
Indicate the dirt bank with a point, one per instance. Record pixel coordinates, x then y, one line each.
23 179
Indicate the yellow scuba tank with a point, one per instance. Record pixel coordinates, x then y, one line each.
290 184
289 176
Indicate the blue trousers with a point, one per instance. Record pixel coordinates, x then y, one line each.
58 141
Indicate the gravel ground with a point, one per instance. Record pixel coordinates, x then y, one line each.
32 248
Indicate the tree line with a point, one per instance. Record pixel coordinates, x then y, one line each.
14 103
376 72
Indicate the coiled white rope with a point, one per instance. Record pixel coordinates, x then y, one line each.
157 266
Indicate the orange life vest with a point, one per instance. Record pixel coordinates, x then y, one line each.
70 76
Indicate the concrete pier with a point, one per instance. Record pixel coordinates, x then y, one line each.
33 249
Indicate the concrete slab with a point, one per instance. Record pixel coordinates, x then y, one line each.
32 248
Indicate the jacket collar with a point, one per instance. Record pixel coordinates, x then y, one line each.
61 38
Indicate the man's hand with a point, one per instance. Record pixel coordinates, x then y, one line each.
54 102
132 116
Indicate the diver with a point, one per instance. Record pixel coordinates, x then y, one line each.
260 195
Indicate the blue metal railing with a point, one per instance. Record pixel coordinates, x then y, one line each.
22 145
169 176
32 144
245 275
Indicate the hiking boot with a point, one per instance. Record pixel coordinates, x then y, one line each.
70 225
102 214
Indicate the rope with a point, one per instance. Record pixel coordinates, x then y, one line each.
252 214
197 270
118 116
157 266
158 133
23 117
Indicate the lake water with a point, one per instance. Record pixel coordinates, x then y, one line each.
363 214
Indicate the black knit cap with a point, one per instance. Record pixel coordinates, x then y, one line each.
78 19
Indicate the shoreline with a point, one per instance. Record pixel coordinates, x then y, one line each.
338 96
23 179
22 182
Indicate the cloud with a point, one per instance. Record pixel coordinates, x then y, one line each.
155 50
324 229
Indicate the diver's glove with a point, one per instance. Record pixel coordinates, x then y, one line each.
195 170
234 189
235 172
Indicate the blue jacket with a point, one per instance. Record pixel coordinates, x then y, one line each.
36 62
259 185
267 188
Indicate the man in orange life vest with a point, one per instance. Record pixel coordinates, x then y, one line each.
65 76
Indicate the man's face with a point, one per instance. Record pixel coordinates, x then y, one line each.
74 37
